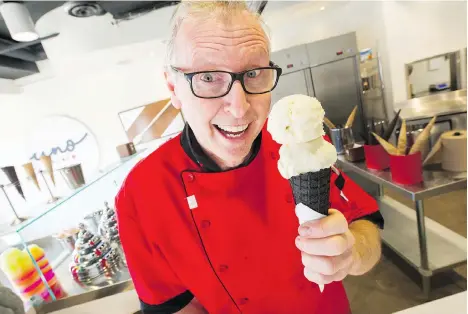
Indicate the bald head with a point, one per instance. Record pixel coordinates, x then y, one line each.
208 40
224 13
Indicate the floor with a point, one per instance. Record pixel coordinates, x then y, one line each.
392 286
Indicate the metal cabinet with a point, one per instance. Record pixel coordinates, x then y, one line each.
291 59
298 82
332 49
336 86
328 70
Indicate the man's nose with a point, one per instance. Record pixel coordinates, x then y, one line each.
237 104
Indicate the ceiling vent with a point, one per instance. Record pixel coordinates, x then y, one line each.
83 9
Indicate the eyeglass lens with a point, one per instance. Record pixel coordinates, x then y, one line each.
216 84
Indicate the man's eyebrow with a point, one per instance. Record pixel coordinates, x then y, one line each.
209 66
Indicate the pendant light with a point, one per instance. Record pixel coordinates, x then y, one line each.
18 21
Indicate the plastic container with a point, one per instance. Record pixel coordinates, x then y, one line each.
377 157
406 169
365 54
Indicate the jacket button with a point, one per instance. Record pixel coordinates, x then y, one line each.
243 301
223 268
190 177
289 198
205 224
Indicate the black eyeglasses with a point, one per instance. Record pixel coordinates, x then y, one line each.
215 84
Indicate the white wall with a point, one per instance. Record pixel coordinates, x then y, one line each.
304 22
417 30
94 95
401 32
307 23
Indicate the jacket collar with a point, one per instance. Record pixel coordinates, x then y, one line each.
193 149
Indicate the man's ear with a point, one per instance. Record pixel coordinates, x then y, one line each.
170 85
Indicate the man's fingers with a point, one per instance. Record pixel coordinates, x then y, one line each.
331 246
321 279
327 265
334 223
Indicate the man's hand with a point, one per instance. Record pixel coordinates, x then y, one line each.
327 248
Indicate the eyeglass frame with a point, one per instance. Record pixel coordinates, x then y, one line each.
235 76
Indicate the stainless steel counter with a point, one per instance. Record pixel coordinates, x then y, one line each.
407 228
436 105
85 297
436 180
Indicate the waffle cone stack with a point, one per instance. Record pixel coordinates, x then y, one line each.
418 145
31 173
313 190
47 162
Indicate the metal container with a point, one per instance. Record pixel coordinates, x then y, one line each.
73 175
93 258
126 150
342 138
355 153
92 220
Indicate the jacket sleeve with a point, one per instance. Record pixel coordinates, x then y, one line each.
352 200
158 287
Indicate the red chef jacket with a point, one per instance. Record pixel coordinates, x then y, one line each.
225 237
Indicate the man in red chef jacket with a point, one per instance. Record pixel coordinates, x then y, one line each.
207 223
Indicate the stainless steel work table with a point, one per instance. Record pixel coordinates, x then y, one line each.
439 247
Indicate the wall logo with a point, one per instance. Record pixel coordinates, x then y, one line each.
69 147
67 141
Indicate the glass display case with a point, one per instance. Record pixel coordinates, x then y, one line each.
72 247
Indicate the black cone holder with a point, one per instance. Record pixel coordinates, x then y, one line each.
17 219
52 199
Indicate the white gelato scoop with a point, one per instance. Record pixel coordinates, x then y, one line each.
312 156
296 119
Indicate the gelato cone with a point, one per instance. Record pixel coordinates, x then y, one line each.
30 172
306 158
296 122
47 162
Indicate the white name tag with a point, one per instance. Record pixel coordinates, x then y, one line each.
192 202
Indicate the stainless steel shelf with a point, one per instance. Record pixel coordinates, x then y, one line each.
436 181
73 288
119 281
406 229
446 248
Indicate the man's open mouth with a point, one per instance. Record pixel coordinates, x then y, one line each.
232 131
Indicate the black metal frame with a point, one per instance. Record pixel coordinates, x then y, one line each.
235 76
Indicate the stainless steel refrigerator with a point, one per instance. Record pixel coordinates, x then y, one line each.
328 70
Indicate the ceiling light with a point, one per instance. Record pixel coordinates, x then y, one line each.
18 21
322 8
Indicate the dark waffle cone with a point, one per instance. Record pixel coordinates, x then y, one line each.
313 190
